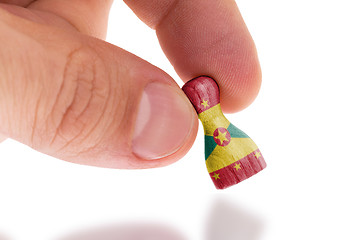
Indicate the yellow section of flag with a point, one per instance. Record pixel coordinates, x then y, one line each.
237 149
211 118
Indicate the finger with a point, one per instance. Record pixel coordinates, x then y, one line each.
22 3
87 16
2 138
206 38
80 99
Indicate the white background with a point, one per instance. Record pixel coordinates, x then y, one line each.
295 121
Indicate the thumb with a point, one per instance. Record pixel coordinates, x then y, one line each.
2 138
83 100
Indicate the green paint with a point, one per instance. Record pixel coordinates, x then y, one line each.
235 132
210 145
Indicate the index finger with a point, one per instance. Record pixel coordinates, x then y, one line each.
206 38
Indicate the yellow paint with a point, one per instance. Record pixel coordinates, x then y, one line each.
237 149
212 119
257 155
205 104
222 137
216 176
237 166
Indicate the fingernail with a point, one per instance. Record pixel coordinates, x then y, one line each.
165 120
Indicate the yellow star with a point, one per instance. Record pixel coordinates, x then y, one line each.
216 176
257 155
204 103
237 166
221 136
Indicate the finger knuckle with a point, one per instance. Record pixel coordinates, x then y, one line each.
81 101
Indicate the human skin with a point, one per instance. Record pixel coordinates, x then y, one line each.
66 92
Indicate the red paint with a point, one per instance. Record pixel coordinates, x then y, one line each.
229 175
202 88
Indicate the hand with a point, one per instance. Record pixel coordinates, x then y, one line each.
66 93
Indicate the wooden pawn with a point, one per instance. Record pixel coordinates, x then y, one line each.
231 156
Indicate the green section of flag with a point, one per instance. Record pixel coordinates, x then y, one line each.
235 132
210 145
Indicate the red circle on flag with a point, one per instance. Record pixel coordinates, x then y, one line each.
221 136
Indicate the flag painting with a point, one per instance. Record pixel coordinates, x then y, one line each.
231 156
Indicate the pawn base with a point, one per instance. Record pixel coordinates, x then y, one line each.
239 170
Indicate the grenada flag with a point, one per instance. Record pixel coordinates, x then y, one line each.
231 156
